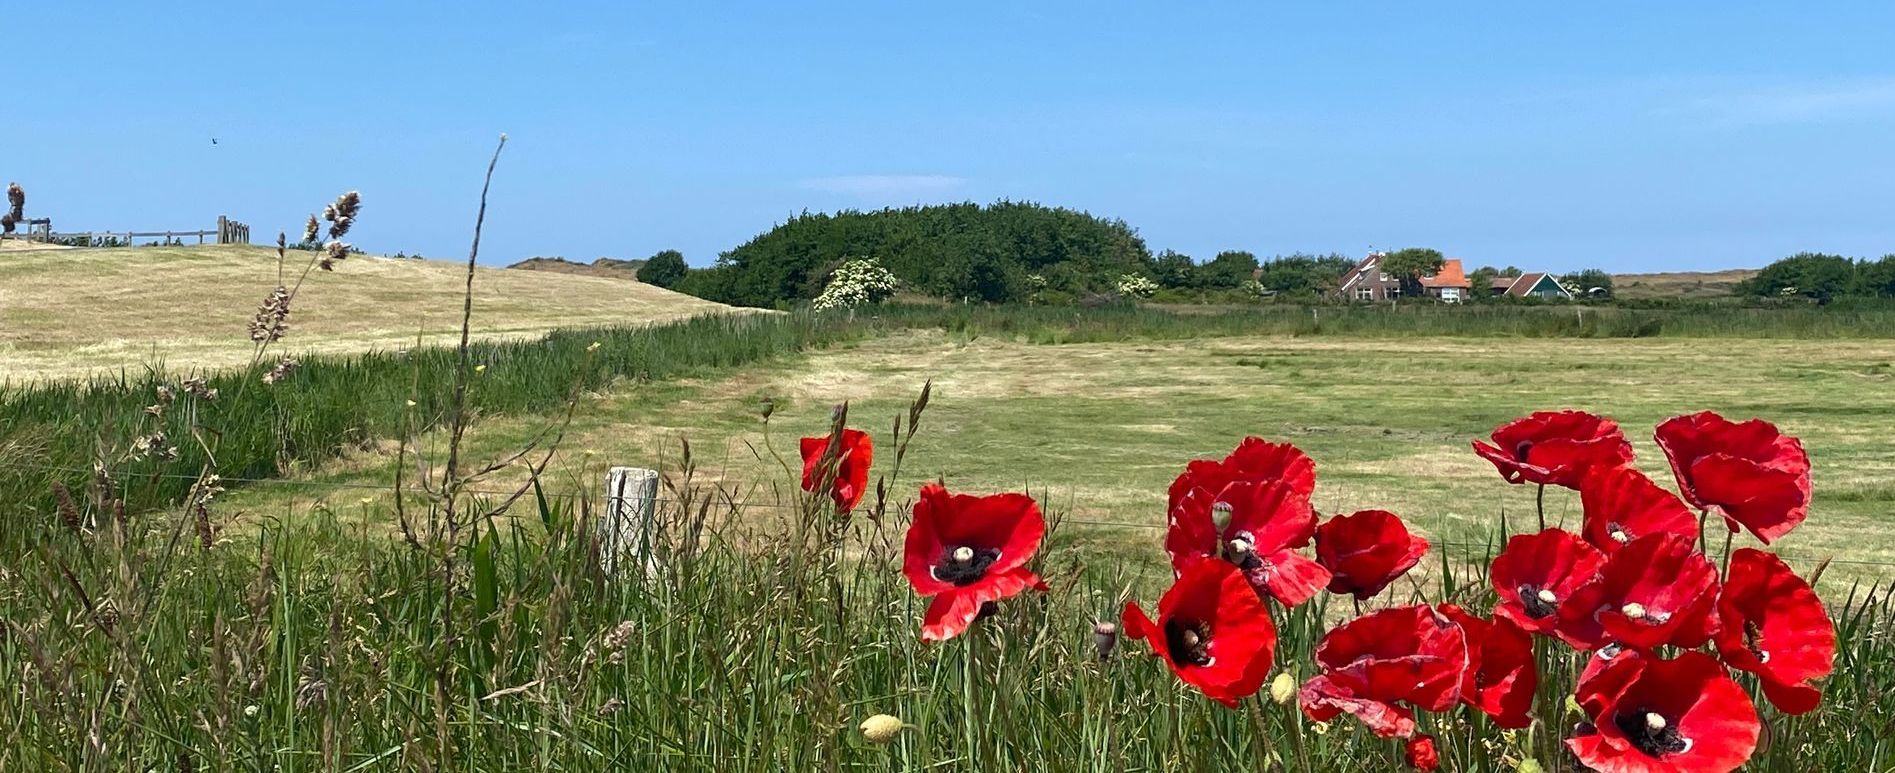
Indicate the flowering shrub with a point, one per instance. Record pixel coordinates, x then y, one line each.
856 283
1633 603
1136 286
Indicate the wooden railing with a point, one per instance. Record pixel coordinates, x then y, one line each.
228 231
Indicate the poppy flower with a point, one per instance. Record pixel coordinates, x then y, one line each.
1773 625
1748 472
1419 753
1254 461
1621 505
850 478
1371 665
1537 573
1366 551
1501 675
1658 590
968 552
1212 630
1555 448
1261 527
1665 716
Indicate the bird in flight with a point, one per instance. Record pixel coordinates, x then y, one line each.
213 140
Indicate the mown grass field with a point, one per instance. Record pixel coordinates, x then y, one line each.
74 312
1101 428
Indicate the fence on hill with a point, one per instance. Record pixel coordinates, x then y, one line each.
228 231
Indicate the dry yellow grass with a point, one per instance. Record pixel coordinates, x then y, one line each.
72 312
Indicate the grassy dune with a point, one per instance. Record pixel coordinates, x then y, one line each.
70 313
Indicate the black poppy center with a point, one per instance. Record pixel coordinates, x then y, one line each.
1520 450
1539 602
1651 732
1190 643
1753 641
964 565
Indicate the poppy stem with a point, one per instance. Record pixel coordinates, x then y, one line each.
1539 503
1728 535
1358 607
968 714
1704 543
1263 732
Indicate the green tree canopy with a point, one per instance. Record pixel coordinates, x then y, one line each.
663 269
950 251
1410 265
1226 271
1174 270
1808 274
1482 280
1588 283
1304 274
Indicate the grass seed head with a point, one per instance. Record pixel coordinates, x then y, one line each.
881 728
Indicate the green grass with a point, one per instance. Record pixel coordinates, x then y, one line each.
309 638
307 646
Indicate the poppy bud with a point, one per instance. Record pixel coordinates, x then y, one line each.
1221 515
1283 688
1105 637
881 728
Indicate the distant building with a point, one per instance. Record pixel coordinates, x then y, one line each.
1536 284
1368 282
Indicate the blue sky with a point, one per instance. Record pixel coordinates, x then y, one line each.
1634 136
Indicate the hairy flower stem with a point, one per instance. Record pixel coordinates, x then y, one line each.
1539 503
1726 574
970 733
1255 704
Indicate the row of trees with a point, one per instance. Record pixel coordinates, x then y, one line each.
1823 278
1007 251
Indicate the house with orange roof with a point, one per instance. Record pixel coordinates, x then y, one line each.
1368 282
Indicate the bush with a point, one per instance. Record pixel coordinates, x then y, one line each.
856 283
664 269
1135 286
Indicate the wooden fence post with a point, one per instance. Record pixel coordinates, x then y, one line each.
624 538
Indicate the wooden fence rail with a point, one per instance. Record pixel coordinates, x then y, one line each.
228 231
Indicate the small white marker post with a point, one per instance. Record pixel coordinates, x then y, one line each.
631 495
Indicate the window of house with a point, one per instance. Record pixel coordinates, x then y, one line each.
1450 293
1386 277
1393 292
1365 293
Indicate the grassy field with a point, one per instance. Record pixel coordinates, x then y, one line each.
73 312
1101 428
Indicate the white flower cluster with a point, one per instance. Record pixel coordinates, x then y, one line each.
856 283
1137 286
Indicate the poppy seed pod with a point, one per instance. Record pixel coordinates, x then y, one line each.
1105 638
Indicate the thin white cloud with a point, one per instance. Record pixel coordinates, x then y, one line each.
1790 103
876 185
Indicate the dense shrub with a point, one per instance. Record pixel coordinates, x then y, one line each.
664 269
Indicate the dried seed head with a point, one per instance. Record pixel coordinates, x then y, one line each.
271 322
68 509
341 214
106 614
333 252
881 728
154 446
620 635
311 230
166 395
16 203
198 388
611 707
282 370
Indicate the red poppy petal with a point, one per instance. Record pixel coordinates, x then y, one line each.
812 448
949 614
1768 502
1622 504
923 545
1010 523
1294 579
1324 698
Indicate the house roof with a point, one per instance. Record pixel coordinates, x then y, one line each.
1502 283
1527 283
1450 275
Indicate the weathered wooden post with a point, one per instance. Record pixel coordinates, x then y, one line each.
624 539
